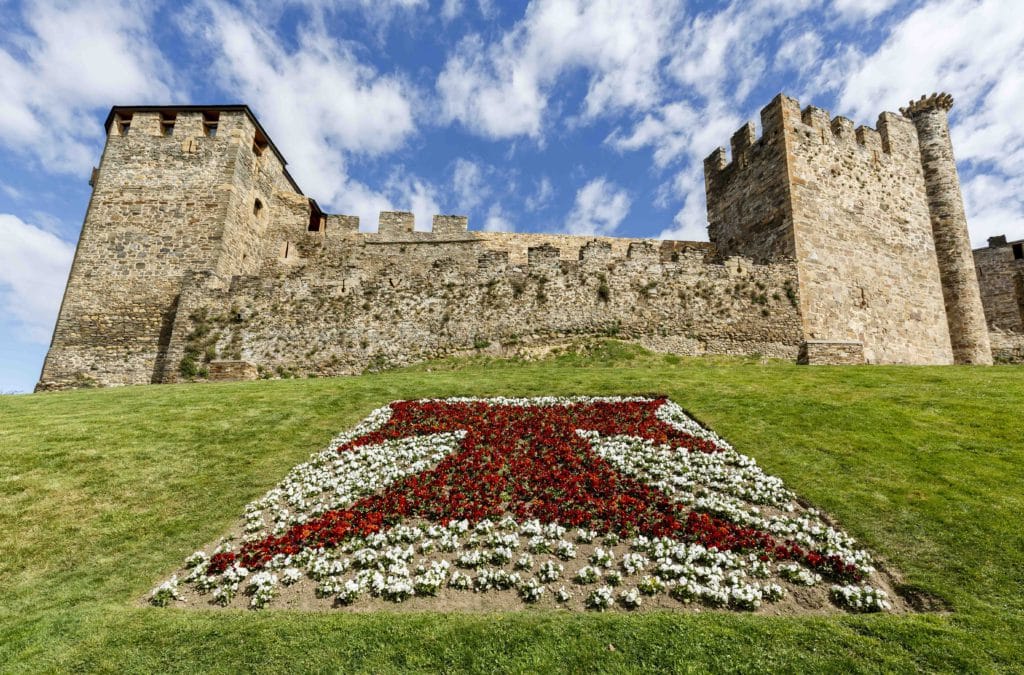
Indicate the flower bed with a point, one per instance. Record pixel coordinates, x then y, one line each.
582 502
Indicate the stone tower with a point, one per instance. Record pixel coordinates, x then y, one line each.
180 191
849 205
967 328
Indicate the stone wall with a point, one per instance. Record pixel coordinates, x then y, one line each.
1007 347
1001 279
341 303
749 199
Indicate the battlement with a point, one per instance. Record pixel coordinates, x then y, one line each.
784 121
935 101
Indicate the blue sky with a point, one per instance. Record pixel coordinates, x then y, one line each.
547 116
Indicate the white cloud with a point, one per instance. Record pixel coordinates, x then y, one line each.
469 185
720 55
497 220
542 197
501 89
862 9
690 222
600 208
971 49
321 105
799 53
452 8
34 267
72 60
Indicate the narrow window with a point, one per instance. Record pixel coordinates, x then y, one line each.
1018 251
259 144
257 208
167 121
210 120
124 123
317 219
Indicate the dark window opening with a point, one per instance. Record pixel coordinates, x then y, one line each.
259 144
124 123
167 121
257 207
1018 251
210 120
317 219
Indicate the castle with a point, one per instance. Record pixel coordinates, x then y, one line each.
830 244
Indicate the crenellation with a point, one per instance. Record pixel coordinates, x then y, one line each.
816 118
395 223
899 137
779 115
716 161
741 142
643 251
543 257
842 129
870 140
450 225
595 252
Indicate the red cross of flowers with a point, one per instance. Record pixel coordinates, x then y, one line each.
528 461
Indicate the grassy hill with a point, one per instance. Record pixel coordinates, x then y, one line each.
104 492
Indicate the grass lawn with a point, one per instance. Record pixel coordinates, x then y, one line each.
104 492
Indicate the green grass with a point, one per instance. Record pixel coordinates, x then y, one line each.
104 492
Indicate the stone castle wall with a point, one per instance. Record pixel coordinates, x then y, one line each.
342 303
200 256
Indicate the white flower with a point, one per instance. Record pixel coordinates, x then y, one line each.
587 575
630 599
600 598
549 571
162 595
531 590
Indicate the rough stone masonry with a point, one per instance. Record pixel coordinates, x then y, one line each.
200 257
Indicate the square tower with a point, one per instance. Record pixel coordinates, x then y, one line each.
179 190
851 207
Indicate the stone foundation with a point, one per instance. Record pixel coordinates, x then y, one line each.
831 353
226 371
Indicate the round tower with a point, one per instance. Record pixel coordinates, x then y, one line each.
967 328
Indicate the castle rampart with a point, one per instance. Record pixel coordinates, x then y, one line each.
198 248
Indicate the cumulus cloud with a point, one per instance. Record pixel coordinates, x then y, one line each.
501 89
799 53
322 106
452 8
62 65
968 48
600 208
34 267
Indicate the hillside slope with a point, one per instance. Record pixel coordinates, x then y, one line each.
103 493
